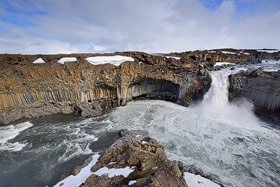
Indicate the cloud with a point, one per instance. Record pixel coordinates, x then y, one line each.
68 26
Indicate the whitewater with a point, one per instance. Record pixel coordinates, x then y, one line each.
222 140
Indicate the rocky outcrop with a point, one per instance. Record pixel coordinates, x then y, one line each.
243 56
260 87
149 166
30 90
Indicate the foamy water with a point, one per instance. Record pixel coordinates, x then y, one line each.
8 133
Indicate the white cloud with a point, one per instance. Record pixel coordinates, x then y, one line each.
152 26
99 48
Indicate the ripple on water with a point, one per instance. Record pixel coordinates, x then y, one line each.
8 133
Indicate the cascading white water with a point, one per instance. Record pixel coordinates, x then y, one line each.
216 105
217 95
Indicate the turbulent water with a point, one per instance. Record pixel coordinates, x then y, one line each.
220 139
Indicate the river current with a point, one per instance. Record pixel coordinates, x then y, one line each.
219 139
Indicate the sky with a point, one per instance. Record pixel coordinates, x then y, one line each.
99 26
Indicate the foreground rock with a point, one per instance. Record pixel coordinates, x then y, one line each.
134 160
261 88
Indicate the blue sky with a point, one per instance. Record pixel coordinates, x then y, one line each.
67 26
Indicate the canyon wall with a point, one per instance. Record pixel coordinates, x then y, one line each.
30 90
261 88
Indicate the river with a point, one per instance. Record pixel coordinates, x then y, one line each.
219 139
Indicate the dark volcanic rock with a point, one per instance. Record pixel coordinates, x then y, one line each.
145 155
262 88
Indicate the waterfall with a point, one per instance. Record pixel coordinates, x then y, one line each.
218 93
215 103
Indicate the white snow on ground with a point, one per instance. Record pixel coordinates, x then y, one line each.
268 51
131 182
270 62
212 51
227 52
10 132
114 171
67 59
175 57
246 53
144 142
115 60
75 181
270 65
223 63
39 61
198 181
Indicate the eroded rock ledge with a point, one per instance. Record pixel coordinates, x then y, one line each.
261 88
142 156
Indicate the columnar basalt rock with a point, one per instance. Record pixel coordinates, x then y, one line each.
30 90
261 88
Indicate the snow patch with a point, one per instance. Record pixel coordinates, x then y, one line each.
268 50
10 132
67 59
131 182
115 60
270 62
39 61
114 171
227 52
223 63
75 181
144 142
198 181
175 57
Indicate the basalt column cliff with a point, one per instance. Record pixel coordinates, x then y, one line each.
30 90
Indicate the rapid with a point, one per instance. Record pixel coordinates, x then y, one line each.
223 140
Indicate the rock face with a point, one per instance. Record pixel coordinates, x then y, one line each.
150 166
30 90
262 88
